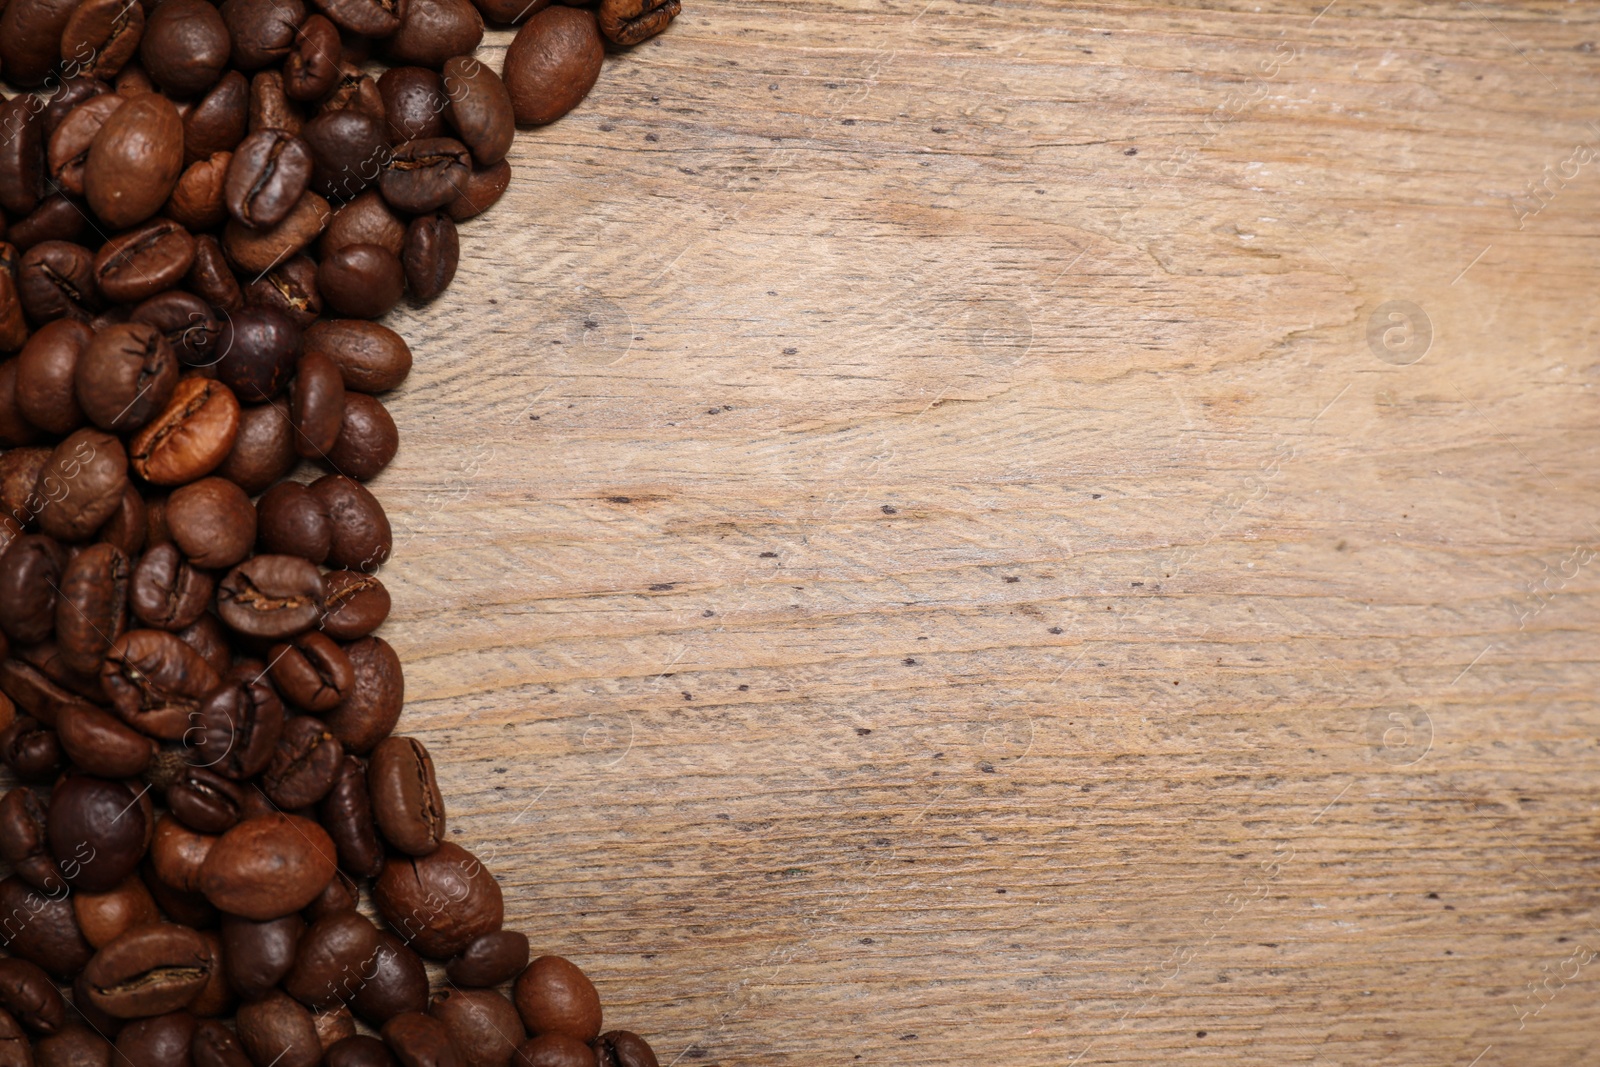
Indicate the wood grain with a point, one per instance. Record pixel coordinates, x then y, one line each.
913 547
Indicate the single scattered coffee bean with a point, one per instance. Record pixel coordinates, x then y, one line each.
362 537
148 971
255 251
67 151
555 997
176 854
81 486
491 960
369 18
188 323
290 520
552 63
350 151
628 22
414 103
55 279
405 796
479 108
432 251
431 31
312 68
263 450
206 801
104 917
480 192
30 580
553 1050
355 604
419 1040
370 712
218 121
97 832
262 30
235 729
371 357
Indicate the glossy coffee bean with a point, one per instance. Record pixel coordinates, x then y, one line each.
355 604
346 813
269 173
213 522
432 251
205 801
263 450
439 903
360 1051
491 960
235 729
97 832
257 955
135 160
317 405
19 478
148 971
44 930
156 682
419 1040
271 597
414 103
361 281
405 796
30 35
553 1050
29 996
258 348
92 609
263 31
483 1025
312 69
30 580
185 46
256 251
279 1030
425 175
190 437
212 279
369 713
554 997
125 375
167 592
303 769
368 18
431 31
350 149
22 837
291 521
313 672
67 151
81 486
481 191
479 108
371 358
31 749
552 63
75 1046
159 1041
219 120
333 1025
362 537
332 960
268 866
143 262
177 853
104 917
22 156
46 370
270 106
101 36
99 743
291 287
55 279
628 22
188 323
367 219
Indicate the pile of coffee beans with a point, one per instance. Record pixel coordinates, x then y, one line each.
203 208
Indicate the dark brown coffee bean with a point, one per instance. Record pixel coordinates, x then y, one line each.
167 592
126 527
291 288
101 744
101 36
312 68
92 609
432 251
268 175
136 158
29 996
207 637
185 46
627 22
554 996
263 451
491 960
148 971
219 121
371 358
350 150
205 801
268 866
13 320
42 929
81 487
365 220
46 372
355 604
479 108
34 692
22 159
405 796
19 480
156 682
30 39
159 1041
481 191
192 436
125 375
347 813
552 63
334 956
262 30
439 903
355 91
30 576
23 812
213 521
257 955
395 982
369 713
257 251
483 1025
340 894
74 1046
291 521
360 1051
419 1040
67 152
31 749
57 218
188 324
271 597
431 31
362 537
72 92
313 672
212 279
317 407
361 281
258 349
304 767
510 12
104 917
55 279
414 103
177 853
279 1030
334 1025
143 262
425 175
553 1050
369 18
97 832
270 106
235 730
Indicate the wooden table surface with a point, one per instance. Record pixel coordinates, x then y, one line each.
939 532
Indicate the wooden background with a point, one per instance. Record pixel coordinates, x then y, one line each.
920 542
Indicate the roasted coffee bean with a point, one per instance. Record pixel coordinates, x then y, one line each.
346 812
189 438
104 917
55 279
312 69
22 148
212 279
148 971
268 866
81 487
13 320
30 35
279 1030
19 480
340 894
67 151
74 1046
552 63
432 251
177 852
215 1045
269 173
31 749
317 407
136 158
367 219
167 592
361 281
262 30
332 960
257 352
218 122
22 839
431 31
479 108
186 321
34 692
42 929
553 1050
350 149
125 375
126 527
73 91
291 521
236 729
213 521
57 218
156 682
205 801
371 358
313 672
369 713
270 106
369 18
355 91
257 955
480 192
425 175
419 1040
440 903
554 997
30 580
307 761
98 742
159 1041
483 1025
333 1025
510 12
271 597
405 796
491 960
355 604
291 288
255 251
185 46
263 451
97 832
360 1051
622 1048
361 534
28 995
627 22
414 103
101 36
207 637
143 262
46 375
